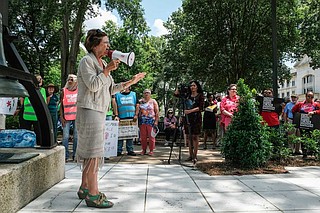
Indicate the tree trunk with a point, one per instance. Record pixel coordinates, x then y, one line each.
64 43
77 34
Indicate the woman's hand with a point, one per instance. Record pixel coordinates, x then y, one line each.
63 121
136 78
311 113
187 111
113 65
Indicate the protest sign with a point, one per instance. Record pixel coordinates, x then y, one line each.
8 105
270 104
111 138
304 121
128 129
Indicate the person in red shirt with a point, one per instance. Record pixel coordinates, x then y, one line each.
270 118
308 106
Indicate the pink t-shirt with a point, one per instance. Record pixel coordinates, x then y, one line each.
230 105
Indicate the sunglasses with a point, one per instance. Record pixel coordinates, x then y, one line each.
70 79
97 32
310 96
193 85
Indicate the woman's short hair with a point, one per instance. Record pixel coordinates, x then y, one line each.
93 39
231 85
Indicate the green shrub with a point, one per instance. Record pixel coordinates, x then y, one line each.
246 143
279 140
310 143
12 122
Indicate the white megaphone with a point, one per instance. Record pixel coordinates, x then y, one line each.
127 58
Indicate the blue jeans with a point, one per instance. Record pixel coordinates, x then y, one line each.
109 118
129 145
66 134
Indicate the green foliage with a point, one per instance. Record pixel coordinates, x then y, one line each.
309 40
310 142
246 143
54 75
279 141
218 42
36 25
12 122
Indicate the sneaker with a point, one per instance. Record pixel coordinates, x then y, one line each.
166 143
174 144
132 153
151 153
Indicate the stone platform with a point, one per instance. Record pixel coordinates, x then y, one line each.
23 182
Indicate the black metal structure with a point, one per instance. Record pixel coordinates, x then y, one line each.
274 48
19 71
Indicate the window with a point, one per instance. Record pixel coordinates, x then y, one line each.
293 83
308 83
288 94
288 83
293 92
282 95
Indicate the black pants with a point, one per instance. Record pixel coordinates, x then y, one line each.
170 132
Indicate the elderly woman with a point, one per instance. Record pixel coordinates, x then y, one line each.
148 111
95 87
229 105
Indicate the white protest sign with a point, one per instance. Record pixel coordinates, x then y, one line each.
111 138
267 104
128 129
305 121
8 105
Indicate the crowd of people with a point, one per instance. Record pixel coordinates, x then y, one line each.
91 97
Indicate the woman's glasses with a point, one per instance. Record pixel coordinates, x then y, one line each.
310 96
70 79
193 85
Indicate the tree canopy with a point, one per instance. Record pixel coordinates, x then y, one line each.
215 42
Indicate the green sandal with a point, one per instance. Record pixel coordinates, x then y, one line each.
82 193
98 201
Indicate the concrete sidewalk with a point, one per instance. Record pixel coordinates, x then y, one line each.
150 184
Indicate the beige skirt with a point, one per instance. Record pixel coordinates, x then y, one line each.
91 127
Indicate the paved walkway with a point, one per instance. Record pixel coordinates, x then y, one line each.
149 184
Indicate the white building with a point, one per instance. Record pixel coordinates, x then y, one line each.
304 79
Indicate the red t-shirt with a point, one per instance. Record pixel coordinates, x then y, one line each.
271 118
